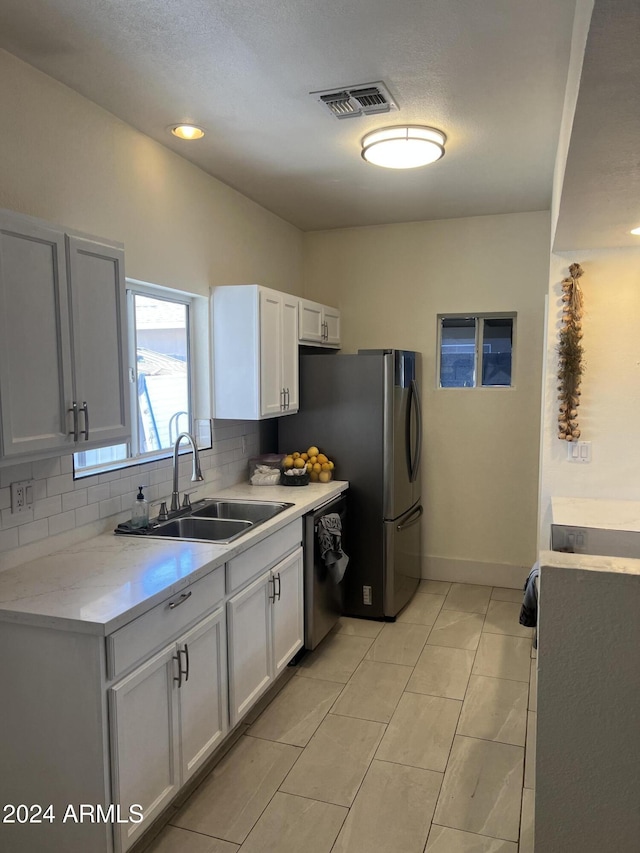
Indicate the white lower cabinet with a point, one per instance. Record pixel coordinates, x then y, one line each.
287 610
250 654
142 709
265 625
166 718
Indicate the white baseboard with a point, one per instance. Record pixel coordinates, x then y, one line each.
472 571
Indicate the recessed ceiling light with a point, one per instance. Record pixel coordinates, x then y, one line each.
636 231
403 147
187 131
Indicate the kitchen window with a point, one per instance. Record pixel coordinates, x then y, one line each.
161 383
475 351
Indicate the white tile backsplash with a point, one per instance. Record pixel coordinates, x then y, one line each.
28 533
59 484
63 521
74 500
62 504
87 514
47 507
9 539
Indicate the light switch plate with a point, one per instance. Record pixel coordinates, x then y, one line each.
579 451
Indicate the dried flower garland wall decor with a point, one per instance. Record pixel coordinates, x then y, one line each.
570 356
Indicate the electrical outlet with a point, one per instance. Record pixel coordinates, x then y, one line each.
366 595
21 496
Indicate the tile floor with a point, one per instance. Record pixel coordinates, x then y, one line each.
408 737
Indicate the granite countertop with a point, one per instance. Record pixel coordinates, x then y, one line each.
99 585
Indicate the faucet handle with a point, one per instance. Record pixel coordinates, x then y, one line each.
163 515
186 501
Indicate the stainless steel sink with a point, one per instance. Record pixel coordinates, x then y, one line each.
213 520
208 529
253 511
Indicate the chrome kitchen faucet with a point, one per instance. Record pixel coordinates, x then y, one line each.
196 473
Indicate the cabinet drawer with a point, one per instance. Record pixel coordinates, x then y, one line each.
262 556
160 625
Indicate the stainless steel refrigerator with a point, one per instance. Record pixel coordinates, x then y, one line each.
363 411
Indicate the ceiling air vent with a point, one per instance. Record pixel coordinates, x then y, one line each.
352 101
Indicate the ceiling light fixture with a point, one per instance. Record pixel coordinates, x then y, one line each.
635 231
187 131
403 147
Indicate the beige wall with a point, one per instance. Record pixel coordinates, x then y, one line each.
480 469
64 159
609 412
70 162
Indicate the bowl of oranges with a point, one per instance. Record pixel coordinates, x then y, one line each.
310 466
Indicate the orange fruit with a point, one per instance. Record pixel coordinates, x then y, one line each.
299 462
324 476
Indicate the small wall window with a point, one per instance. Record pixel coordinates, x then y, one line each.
159 345
475 351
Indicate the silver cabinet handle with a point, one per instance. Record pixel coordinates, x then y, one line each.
173 604
186 658
178 677
85 409
287 398
282 392
74 432
272 595
277 578
182 671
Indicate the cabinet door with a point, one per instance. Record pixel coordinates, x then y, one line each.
290 352
203 693
331 319
250 649
99 341
288 612
310 317
144 742
271 385
35 356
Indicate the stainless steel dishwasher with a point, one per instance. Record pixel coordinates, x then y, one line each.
322 597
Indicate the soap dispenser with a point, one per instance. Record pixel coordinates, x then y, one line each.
140 511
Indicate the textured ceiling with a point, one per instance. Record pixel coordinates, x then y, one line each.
491 74
601 190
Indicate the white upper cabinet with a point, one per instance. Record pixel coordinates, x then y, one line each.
255 352
63 383
99 334
318 324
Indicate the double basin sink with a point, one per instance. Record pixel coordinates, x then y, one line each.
213 520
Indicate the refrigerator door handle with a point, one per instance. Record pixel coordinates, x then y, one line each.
411 520
414 404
